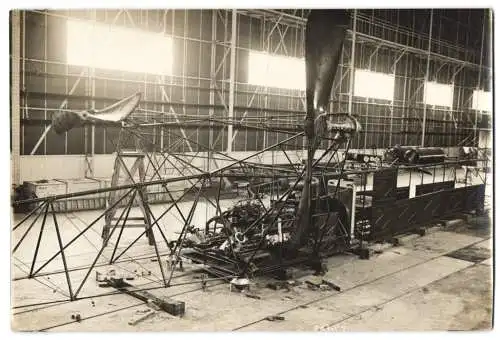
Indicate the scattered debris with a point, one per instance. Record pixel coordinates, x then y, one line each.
112 274
135 320
449 223
239 284
314 283
275 318
277 285
174 263
252 296
142 311
169 305
204 278
324 287
312 287
425 290
303 306
331 285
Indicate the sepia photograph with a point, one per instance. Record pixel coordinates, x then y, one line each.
250 169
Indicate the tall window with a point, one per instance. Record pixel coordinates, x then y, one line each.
117 48
373 84
438 94
481 101
276 71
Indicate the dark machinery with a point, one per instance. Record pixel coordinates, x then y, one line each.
412 155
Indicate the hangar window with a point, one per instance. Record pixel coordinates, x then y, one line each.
276 71
118 48
481 100
371 84
438 94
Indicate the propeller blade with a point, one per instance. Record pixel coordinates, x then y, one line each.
325 34
118 112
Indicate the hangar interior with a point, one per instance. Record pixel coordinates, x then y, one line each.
330 169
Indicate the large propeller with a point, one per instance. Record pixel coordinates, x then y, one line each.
325 34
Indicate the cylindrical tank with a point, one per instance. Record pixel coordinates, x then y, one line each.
414 155
427 156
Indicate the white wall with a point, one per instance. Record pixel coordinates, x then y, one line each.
35 168
49 167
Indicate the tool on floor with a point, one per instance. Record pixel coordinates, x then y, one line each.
171 306
331 285
138 318
252 296
321 284
239 284
275 318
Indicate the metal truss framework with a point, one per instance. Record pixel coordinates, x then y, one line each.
199 180
125 196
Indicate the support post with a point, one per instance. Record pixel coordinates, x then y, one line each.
213 52
426 79
353 55
232 71
479 81
15 88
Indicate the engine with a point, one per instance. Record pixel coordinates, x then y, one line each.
246 227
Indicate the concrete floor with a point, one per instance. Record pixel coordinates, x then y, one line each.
425 283
414 286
